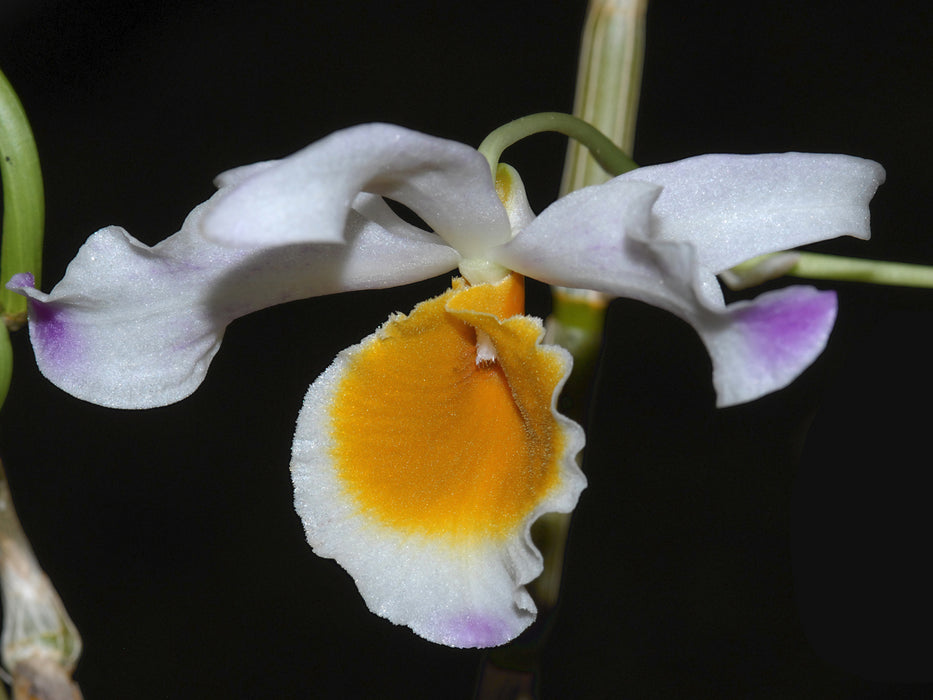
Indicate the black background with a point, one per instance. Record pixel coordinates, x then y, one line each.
768 551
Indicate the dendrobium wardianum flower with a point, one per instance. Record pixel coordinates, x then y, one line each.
423 454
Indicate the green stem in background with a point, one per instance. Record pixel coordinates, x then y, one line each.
576 323
608 84
23 203
608 87
606 103
39 644
609 156
6 362
827 267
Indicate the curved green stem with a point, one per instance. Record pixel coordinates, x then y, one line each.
829 267
23 202
609 156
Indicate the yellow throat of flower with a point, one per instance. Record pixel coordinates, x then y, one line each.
427 440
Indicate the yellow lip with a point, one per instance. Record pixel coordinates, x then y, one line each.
428 441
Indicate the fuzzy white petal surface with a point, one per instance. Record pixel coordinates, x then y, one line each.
592 239
736 207
600 238
133 326
305 197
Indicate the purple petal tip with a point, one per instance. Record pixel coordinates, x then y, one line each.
21 280
790 325
475 631
56 346
770 341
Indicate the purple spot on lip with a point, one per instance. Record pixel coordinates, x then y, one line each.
476 631
788 325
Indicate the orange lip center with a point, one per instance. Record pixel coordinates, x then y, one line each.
428 441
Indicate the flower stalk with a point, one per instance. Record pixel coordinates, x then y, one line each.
39 644
6 362
602 150
608 87
608 84
606 101
827 267
23 218
23 203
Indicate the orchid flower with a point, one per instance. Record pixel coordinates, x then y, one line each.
423 454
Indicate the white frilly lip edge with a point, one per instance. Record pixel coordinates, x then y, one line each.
329 516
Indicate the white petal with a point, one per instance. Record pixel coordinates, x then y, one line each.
305 197
591 239
598 238
735 207
131 326
234 176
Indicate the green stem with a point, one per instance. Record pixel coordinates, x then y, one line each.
609 156
23 202
834 267
6 362
607 96
830 267
608 82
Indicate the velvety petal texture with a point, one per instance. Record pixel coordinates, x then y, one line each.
133 326
420 466
620 239
735 207
305 197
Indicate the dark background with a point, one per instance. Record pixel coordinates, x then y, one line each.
772 550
